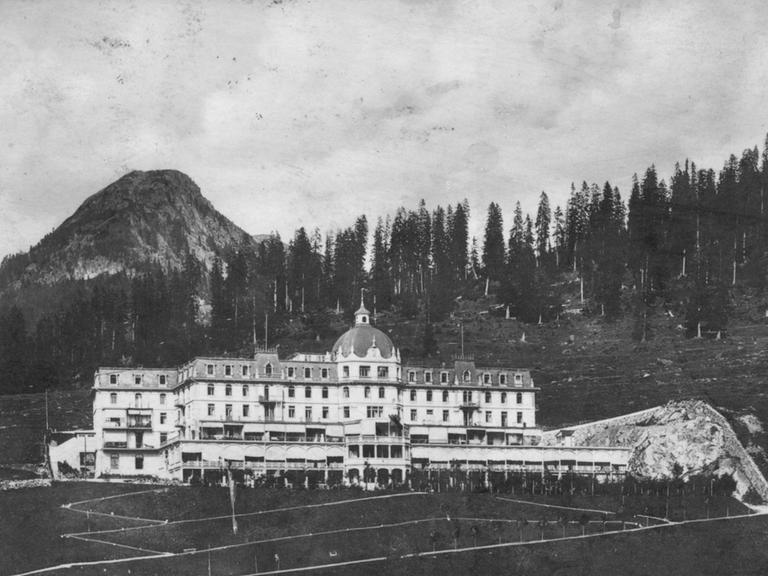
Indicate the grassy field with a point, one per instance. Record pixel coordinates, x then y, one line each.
308 528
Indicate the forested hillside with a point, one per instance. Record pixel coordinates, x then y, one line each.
685 249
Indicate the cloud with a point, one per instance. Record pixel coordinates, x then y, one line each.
303 113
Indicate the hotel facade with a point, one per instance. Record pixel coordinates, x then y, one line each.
350 414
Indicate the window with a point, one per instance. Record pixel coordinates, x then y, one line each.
163 417
345 371
346 411
137 380
381 392
211 410
519 397
445 415
291 411
486 378
325 392
429 395
291 391
488 397
162 380
467 376
307 372
365 371
210 389
162 398
246 410
209 369
430 414
411 376
228 390
291 372
428 377
163 437
308 413
307 391
502 378
367 391
375 411
324 373
325 412
228 410
244 370
466 395
345 391
518 378
519 417
503 397
114 461
139 462
413 395
445 395
443 377
383 371
413 415
228 370
487 416
113 378
113 398
245 390
137 399
268 369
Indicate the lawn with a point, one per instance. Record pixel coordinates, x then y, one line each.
306 528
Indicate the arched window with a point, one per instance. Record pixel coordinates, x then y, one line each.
268 369
345 391
467 376
137 398
367 391
325 391
519 397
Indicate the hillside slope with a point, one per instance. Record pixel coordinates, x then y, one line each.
144 218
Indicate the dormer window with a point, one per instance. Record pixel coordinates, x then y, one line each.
411 376
209 369
486 378
443 377
428 377
307 372
467 376
268 369
228 370
502 379
518 378
113 378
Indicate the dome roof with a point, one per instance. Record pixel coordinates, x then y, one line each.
360 338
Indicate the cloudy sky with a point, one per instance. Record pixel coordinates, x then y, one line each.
291 113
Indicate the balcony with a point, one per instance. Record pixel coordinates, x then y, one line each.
140 425
268 400
467 405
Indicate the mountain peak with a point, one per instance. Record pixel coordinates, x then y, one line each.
154 217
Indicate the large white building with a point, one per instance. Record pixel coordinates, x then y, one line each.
351 412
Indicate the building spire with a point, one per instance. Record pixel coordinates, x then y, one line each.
362 316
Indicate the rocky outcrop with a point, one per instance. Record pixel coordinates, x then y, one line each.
677 440
154 218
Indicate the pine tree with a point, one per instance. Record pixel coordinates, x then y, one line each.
493 246
543 222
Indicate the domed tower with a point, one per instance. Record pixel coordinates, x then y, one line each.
366 353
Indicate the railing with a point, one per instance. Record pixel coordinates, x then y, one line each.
372 439
143 424
115 444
